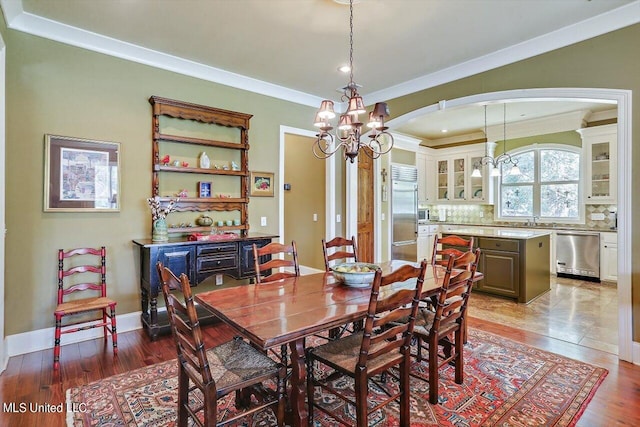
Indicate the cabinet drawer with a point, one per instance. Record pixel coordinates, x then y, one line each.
217 263
220 248
499 244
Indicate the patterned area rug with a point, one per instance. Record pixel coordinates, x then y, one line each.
506 384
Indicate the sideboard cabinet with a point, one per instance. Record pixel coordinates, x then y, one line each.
198 260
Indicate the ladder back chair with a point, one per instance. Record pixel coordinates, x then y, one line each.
446 325
234 366
383 344
275 248
345 250
442 248
82 288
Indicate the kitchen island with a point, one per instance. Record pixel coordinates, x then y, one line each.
515 263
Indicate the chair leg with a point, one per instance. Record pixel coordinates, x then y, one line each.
183 398
362 392
405 403
114 332
282 378
104 324
433 369
459 358
56 345
310 391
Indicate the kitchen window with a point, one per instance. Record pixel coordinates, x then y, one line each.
548 186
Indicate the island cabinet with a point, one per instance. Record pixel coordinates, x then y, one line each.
198 260
515 264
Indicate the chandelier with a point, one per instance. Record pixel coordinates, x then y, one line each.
504 158
349 129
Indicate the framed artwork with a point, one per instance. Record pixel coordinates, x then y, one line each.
81 175
261 184
204 189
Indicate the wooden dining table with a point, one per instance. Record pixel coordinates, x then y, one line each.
288 311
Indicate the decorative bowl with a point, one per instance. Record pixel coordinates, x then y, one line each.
355 274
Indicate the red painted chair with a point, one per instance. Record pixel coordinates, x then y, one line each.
83 272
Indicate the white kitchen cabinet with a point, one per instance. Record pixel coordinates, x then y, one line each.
609 256
426 237
425 164
600 148
454 182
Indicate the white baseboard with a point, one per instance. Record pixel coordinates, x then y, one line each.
635 352
43 339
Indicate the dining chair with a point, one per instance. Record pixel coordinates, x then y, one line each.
445 246
264 265
445 327
234 366
82 288
343 249
382 345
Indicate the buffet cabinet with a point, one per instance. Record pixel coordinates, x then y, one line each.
198 260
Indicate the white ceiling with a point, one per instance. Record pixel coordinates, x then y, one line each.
291 48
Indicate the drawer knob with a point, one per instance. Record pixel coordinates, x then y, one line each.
219 262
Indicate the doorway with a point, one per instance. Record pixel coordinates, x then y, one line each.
623 100
307 207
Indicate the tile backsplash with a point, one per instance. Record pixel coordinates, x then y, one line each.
483 215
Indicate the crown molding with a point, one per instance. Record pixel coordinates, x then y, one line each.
615 19
18 19
540 126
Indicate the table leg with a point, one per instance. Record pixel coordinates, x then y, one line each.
298 380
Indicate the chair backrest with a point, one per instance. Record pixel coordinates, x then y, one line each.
346 249
91 261
384 334
456 288
275 248
185 326
442 248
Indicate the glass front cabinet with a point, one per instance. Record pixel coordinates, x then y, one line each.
454 168
599 144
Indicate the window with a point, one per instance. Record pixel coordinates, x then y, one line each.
548 186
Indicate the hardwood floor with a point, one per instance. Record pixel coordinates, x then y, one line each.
30 379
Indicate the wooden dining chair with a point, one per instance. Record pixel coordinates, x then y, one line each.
382 345
443 247
265 262
445 327
82 288
339 248
234 366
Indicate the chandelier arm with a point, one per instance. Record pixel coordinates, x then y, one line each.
374 138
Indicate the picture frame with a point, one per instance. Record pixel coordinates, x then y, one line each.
204 189
261 184
81 175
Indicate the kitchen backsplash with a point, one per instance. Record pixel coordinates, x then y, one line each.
483 215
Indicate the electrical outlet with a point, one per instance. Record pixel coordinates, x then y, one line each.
481 214
219 278
382 216
315 217
597 216
338 218
263 221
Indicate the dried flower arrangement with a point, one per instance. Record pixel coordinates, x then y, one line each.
157 211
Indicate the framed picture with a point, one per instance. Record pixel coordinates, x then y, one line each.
261 184
81 175
204 189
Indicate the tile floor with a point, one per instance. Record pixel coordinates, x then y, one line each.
576 311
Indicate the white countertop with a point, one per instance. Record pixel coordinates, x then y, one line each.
498 232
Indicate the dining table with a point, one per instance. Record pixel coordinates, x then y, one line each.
288 311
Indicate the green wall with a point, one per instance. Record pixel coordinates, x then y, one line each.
608 61
54 88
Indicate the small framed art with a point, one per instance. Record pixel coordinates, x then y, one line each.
81 175
261 184
204 189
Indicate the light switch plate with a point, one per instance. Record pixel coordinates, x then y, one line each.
219 279
263 221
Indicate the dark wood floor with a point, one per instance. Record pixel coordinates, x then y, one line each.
30 379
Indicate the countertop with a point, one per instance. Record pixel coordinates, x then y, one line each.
563 227
500 232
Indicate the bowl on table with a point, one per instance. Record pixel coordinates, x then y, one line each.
355 274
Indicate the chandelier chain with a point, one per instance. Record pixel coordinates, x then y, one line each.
351 83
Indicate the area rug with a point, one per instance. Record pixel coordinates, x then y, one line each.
506 384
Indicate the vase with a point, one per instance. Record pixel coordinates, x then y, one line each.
204 161
160 232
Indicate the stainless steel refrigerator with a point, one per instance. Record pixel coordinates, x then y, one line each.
404 213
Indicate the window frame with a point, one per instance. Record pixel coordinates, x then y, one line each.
537 200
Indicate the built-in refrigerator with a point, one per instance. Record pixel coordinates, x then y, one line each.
404 213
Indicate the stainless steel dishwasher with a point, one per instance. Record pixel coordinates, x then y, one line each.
578 255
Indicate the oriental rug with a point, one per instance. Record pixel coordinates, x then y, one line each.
506 384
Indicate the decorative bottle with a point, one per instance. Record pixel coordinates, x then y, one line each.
204 161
